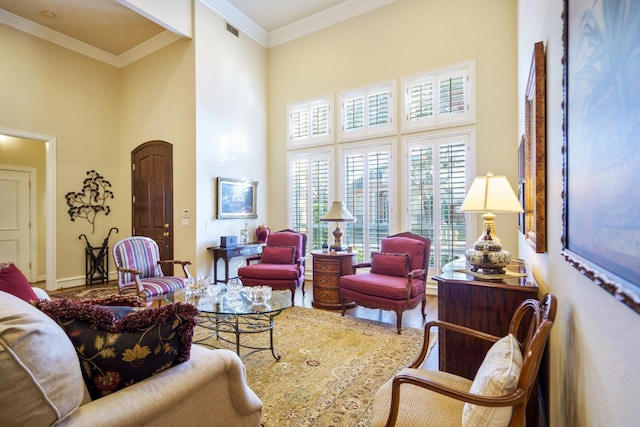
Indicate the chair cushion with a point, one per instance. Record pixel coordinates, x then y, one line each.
115 353
40 371
390 264
405 245
278 254
156 286
378 285
420 406
498 375
270 271
13 281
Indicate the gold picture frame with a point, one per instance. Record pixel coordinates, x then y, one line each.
535 227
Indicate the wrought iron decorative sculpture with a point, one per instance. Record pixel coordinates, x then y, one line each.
91 200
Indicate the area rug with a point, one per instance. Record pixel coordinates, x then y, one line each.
330 366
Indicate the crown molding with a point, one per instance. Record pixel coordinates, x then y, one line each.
318 21
161 40
238 19
323 19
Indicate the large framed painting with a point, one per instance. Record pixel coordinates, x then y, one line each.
601 197
237 198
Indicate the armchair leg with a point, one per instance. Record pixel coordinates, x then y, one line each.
399 323
424 307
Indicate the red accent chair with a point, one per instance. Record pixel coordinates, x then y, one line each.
397 277
280 265
138 265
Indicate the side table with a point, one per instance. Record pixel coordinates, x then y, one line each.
225 254
327 269
482 305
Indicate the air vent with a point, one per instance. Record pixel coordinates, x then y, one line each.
233 30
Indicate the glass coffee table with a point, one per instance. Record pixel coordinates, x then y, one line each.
229 319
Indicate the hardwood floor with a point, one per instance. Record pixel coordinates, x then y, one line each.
410 318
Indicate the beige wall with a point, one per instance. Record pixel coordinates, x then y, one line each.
404 38
594 343
231 127
50 90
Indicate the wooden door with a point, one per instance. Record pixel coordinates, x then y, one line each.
152 190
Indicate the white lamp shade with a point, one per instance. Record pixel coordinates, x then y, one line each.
491 193
338 213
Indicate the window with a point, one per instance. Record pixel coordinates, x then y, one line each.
367 193
439 98
368 111
436 185
310 123
310 195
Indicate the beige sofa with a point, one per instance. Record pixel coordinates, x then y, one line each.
42 383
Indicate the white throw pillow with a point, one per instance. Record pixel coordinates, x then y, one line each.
497 376
40 371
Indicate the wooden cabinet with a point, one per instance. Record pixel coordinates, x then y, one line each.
327 269
483 305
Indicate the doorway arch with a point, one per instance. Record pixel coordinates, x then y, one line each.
51 224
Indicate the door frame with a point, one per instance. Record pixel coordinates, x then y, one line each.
33 228
50 221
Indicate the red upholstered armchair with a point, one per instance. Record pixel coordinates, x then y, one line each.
281 264
397 277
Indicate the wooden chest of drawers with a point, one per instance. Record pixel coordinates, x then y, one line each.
327 269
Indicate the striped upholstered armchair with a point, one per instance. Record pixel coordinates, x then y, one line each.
396 280
139 267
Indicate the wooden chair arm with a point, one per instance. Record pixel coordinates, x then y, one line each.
128 270
183 264
252 258
517 397
450 326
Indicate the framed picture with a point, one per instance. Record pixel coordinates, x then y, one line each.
237 198
601 197
534 156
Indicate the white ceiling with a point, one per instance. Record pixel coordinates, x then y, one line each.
108 31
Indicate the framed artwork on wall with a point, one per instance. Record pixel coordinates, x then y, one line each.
534 156
237 198
601 149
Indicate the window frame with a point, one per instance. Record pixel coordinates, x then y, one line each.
438 121
310 155
367 131
436 139
308 106
366 148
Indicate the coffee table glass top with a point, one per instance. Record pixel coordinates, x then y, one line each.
222 304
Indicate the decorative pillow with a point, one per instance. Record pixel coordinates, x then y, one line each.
390 264
115 353
14 282
278 254
498 375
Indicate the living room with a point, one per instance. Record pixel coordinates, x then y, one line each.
221 101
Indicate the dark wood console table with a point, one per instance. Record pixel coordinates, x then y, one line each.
483 305
226 254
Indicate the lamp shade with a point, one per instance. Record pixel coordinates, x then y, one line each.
491 193
338 213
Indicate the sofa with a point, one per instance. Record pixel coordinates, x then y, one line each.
42 382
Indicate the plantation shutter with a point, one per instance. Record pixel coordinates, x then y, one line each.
421 100
310 122
309 182
452 95
367 197
437 171
354 114
379 109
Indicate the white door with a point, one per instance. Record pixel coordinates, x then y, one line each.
15 212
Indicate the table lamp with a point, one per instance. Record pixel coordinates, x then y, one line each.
337 213
489 194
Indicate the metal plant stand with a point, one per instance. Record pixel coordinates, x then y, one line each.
97 260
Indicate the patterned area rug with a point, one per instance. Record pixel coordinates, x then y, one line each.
330 366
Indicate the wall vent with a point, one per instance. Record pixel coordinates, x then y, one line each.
233 30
